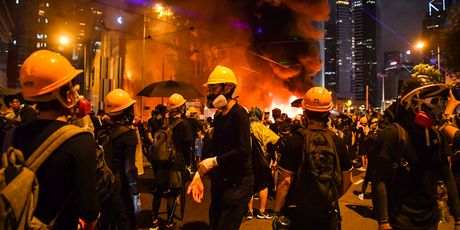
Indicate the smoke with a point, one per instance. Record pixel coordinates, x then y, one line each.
272 45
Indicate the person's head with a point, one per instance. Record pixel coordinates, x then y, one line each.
46 78
160 112
11 101
120 106
221 86
176 104
255 114
422 100
276 113
317 102
192 112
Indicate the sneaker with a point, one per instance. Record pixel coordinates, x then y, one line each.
249 215
264 215
155 225
361 196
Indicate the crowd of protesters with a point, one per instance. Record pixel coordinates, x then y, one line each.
406 154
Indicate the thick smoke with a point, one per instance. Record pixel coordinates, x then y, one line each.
271 45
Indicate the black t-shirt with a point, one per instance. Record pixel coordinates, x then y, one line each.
291 158
293 148
70 170
231 145
412 194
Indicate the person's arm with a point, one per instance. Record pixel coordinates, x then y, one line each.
282 188
83 150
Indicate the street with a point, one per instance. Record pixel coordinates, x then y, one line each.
356 214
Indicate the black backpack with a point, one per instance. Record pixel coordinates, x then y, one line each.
317 182
162 150
104 152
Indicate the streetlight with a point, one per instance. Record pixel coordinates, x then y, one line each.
420 45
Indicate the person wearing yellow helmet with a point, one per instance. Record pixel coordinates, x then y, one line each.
68 178
316 204
172 175
125 196
232 177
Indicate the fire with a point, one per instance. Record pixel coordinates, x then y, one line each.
285 107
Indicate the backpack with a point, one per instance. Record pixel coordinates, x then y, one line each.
163 149
104 153
19 185
318 180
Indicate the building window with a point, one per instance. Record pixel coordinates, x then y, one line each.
41 12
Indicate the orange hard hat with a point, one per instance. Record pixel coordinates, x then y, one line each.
317 99
117 100
176 100
43 72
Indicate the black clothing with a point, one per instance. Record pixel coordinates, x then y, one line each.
291 156
122 164
183 140
70 170
232 180
411 194
28 114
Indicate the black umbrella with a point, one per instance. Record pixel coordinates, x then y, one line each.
297 103
167 88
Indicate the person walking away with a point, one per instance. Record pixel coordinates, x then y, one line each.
412 157
124 204
230 165
67 178
171 174
267 139
315 169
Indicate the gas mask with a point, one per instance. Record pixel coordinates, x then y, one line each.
83 107
427 109
218 100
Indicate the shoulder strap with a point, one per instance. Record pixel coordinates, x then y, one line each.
402 141
176 122
119 131
51 144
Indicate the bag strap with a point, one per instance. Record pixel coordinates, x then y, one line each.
176 122
51 144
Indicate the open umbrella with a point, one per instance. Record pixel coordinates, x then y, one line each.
167 88
297 103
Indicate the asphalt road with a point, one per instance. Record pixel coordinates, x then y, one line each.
356 214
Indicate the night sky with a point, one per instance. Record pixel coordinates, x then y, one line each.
403 16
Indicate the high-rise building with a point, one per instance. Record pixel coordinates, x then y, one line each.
338 53
397 70
364 51
434 21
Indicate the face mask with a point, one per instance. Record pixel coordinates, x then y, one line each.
423 119
84 107
216 101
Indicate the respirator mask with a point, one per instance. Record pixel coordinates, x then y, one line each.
216 99
428 111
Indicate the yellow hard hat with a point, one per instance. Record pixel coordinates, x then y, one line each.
176 100
43 72
192 110
317 99
363 120
221 74
117 100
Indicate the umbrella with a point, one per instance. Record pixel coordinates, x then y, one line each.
167 88
297 103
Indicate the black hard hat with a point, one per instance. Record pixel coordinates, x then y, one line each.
424 86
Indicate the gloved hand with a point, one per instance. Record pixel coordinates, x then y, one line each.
196 187
137 204
452 103
207 164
